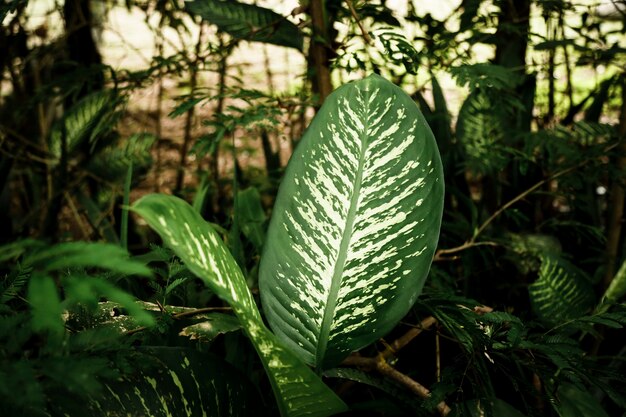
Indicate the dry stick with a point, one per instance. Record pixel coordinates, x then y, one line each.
406 338
76 214
379 363
355 16
439 255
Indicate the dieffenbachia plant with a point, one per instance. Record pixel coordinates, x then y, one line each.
349 246
355 224
299 391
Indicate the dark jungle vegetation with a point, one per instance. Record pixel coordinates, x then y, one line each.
140 273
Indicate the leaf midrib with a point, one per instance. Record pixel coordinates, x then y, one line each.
331 304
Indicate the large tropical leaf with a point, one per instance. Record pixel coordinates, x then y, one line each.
561 292
355 224
299 391
248 22
180 382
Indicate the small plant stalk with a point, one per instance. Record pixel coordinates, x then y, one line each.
616 199
126 202
193 82
159 112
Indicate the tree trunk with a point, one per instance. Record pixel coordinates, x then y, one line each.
81 46
318 52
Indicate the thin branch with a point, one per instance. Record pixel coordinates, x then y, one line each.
379 363
440 254
406 338
355 16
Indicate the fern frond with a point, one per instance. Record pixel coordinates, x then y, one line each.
14 282
561 293
113 162
83 122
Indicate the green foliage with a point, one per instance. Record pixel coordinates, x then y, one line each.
506 323
298 390
178 382
485 76
112 163
212 325
248 22
576 402
251 216
40 350
85 122
561 292
398 50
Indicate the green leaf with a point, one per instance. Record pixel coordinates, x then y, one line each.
112 163
248 22
83 254
251 216
182 382
561 292
616 289
298 390
14 250
82 122
213 324
11 285
574 402
355 224
485 76
45 303
481 132
441 123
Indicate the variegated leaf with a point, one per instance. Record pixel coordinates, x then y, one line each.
355 224
182 382
299 391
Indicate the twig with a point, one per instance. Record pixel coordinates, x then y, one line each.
76 214
379 363
406 338
439 255
366 35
